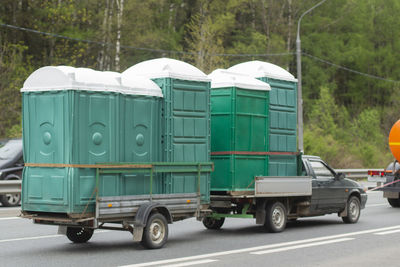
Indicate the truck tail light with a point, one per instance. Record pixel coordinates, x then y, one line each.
376 173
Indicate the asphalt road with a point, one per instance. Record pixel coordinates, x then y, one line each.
318 241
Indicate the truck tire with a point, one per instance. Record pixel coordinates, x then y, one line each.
394 202
155 234
353 210
276 217
79 235
213 224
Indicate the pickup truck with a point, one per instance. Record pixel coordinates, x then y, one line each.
275 200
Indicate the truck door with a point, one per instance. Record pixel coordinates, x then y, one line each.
329 192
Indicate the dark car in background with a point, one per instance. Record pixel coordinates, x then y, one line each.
11 165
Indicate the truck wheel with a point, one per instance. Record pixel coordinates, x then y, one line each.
394 202
276 217
79 235
214 224
353 210
155 234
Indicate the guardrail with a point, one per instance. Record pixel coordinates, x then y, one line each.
10 187
356 174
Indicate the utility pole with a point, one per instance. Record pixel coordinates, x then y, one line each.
299 89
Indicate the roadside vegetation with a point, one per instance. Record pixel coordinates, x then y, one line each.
350 55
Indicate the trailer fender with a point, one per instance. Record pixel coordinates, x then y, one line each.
144 211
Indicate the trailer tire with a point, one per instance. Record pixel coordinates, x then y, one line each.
394 202
213 224
79 235
155 234
276 217
353 210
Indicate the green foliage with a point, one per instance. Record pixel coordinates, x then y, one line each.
15 68
344 141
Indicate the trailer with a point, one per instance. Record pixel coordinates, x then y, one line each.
145 216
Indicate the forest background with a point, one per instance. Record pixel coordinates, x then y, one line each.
350 55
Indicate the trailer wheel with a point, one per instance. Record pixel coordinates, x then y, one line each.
276 217
394 202
155 234
353 210
79 235
214 224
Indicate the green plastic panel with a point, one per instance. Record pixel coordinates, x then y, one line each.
140 132
185 131
80 127
239 120
46 120
95 129
283 165
70 127
283 115
70 190
237 172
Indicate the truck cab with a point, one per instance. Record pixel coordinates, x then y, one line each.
330 190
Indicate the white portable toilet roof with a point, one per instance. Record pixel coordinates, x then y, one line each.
223 78
58 78
259 69
167 68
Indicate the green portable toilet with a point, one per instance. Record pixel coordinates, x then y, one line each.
72 116
239 130
185 118
283 114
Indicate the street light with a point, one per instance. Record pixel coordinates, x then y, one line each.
299 92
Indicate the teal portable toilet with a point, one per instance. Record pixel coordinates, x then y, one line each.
239 130
282 111
185 118
71 117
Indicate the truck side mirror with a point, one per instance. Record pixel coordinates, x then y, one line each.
340 176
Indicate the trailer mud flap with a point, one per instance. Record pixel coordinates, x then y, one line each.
261 211
137 233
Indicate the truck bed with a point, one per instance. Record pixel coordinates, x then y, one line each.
278 186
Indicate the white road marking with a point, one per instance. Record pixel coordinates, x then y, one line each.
10 218
190 263
377 205
388 232
44 236
302 246
236 251
29 238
